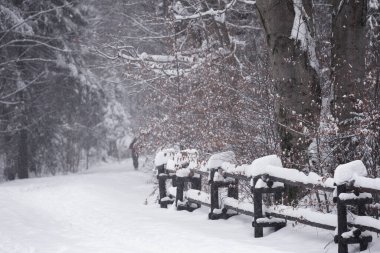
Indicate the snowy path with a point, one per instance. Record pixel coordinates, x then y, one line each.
103 211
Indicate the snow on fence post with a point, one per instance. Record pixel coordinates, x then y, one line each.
257 208
345 177
160 161
349 181
185 176
162 176
265 184
356 235
218 180
164 199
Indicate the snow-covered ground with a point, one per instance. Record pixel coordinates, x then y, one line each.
104 211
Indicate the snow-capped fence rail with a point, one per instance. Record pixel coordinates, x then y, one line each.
350 186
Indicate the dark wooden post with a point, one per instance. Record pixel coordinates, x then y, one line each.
233 190
214 197
212 173
160 169
174 180
213 194
342 219
258 209
361 212
196 184
161 176
180 187
162 188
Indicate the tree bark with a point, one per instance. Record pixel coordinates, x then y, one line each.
23 156
348 64
297 83
165 7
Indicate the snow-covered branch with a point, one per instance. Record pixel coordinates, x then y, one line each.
155 58
250 2
210 12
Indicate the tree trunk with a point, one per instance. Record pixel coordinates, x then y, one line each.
297 83
165 6
348 64
23 156
10 168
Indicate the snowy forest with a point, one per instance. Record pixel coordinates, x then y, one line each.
81 79
273 103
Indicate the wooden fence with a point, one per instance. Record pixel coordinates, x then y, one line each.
352 194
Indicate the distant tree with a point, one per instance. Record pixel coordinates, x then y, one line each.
182 88
49 103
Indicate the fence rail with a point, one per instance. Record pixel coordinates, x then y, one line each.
276 216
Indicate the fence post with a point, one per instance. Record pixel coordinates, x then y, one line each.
161 184
160 169
162 189
214 197
342 219
213 193
180 187
361 212
258 208
196 184
233 190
